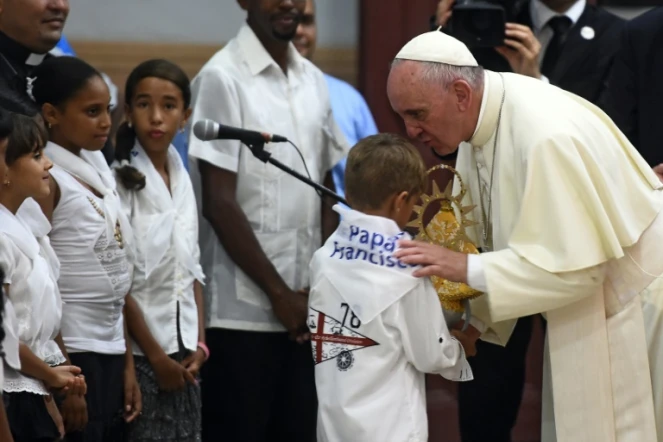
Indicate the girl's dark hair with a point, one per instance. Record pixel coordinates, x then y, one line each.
28 135
125 138
58 79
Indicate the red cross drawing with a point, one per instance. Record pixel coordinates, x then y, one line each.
320 338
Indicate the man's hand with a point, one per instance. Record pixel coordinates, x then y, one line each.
435 260
292 310
443 13
658 170
521 50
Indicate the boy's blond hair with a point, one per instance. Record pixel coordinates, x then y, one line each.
380 166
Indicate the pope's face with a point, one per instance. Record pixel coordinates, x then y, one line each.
432 113
36 24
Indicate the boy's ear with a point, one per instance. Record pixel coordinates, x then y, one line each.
401 201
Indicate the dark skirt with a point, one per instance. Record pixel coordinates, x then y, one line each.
167 416
29 420
104 375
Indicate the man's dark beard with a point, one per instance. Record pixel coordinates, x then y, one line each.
285 37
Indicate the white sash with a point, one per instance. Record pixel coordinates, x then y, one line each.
31 215
171 207
92 169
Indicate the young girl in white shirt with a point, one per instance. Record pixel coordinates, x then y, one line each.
92 240
165 309
31 286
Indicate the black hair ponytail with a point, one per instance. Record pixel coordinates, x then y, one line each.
125 138
59 79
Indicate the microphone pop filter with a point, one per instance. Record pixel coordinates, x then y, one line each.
206 130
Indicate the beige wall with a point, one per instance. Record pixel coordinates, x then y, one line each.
117 59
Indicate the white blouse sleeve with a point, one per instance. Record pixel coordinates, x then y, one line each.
7 258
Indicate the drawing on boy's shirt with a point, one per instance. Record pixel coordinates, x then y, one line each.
332 339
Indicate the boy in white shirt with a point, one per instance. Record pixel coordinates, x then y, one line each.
376 329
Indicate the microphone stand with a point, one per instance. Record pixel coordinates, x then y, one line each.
258 150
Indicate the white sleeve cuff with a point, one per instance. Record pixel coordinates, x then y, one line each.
479 325
476 278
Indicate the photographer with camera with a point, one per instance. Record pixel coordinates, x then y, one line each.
570 44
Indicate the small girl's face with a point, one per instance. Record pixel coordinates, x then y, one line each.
157 113
85 121
29 175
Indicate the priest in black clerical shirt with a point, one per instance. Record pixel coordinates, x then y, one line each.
29 29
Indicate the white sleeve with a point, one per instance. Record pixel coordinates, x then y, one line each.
476 278
216 98
519 288
427 342
7 259
336 146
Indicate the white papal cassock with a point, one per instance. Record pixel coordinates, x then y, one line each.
375 330
576 231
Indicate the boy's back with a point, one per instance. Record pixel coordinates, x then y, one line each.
375 331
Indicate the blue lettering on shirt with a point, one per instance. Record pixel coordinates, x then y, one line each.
371 247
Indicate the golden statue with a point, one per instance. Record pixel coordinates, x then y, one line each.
445 230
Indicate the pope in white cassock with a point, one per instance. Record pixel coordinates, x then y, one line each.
569 221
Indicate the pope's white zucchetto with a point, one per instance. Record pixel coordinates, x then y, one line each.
437 47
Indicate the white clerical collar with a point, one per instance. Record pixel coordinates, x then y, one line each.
484 100
541 14
35 59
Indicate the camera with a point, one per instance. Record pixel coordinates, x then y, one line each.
481 23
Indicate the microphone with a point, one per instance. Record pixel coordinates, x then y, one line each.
208 130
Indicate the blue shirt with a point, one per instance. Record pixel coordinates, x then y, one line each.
353 117
63 48
181 143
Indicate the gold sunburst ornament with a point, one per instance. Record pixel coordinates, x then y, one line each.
445 230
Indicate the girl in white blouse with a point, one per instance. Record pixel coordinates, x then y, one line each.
31 272
165 309
92 240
